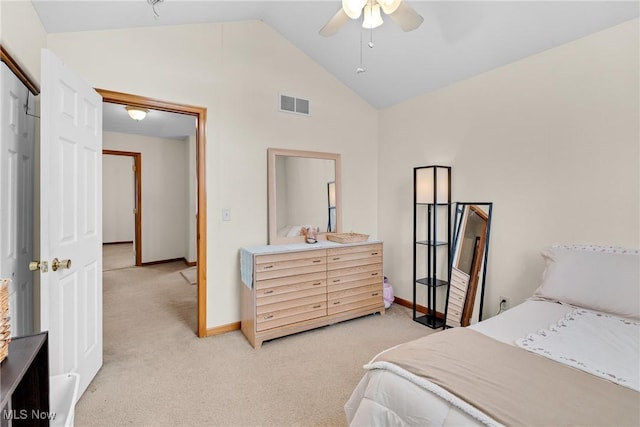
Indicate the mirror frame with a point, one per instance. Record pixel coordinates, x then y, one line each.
273 237
478 275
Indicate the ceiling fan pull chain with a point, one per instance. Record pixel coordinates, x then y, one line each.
371 29
361 68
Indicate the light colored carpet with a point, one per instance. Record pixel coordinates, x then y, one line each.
119 255
190 275
157 372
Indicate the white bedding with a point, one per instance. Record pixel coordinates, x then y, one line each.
384 398
577 340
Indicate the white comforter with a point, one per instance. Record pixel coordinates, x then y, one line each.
384 398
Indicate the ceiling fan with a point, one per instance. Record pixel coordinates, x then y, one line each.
399 12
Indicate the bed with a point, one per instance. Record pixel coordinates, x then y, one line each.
569 355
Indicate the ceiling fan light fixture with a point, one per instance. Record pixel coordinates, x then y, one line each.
372 16
136 113
389 6
353 8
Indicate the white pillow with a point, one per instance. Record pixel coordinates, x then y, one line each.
599 278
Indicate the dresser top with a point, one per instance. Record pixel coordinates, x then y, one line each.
296 247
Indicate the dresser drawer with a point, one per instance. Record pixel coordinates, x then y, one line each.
367 290
290 292
282 265
349 284
354 273
275 287
374 249
320 276
353 257
285 316
353 303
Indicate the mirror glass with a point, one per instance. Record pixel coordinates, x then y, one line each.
304 189
468 263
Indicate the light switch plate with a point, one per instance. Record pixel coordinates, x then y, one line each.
226 214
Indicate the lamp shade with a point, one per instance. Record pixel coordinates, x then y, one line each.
137 113
432 184
371 17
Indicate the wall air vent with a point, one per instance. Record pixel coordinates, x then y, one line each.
290 104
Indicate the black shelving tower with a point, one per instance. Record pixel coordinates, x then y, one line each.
433 242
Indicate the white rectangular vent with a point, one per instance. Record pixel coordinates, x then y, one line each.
291 104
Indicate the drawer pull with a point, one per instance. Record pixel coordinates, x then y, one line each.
374 274
337 258
267 267
317 306
336 280
268 292
336 302
375 294
268 316
317 283
317 261
374 253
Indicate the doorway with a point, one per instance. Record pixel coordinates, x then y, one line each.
199 114
122 191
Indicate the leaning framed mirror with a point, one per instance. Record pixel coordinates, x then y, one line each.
469 257
304 189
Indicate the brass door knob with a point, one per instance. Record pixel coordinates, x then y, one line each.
39 265
56 264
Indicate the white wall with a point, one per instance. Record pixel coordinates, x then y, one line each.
164 192
552 140
118 199
236 71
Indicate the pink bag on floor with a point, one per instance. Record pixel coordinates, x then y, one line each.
387 293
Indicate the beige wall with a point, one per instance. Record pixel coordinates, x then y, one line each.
118 199
552 140
237 71
165 193
22 34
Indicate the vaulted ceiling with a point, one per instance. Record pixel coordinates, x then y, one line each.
457 40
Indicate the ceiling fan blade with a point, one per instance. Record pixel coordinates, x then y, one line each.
334 24
407 18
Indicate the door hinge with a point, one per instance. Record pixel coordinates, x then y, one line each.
133 168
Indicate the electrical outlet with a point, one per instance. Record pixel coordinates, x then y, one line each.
504 305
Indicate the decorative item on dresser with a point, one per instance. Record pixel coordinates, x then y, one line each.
297 287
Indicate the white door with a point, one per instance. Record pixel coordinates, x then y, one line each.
17 142
71 220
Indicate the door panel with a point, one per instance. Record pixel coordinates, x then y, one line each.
71 214
16 198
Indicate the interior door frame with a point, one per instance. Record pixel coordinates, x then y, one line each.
200 114
137 172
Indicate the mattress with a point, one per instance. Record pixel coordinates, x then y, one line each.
383 398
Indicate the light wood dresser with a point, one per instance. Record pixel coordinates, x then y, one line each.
294 288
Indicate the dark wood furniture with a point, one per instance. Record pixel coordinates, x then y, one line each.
24 382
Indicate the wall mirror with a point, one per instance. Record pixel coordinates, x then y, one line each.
469 256
304 191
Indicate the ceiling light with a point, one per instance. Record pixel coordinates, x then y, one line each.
372 18
136 113
353 8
